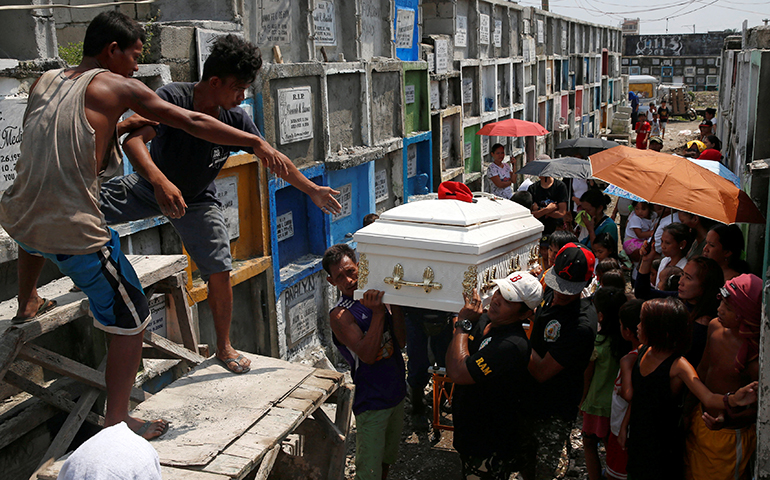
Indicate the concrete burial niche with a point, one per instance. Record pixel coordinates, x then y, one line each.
345 98
376 38
470 85
299 233
333 30
447 145
416 98
417 165
471 150
517 81
357 197
456 18
293 103
387 102
504 85
301 312
285 25
389 181
406 28
489 88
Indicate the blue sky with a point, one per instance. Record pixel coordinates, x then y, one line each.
706 15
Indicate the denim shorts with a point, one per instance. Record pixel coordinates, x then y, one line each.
202 228
106 276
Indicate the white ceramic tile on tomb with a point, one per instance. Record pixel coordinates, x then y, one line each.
426 253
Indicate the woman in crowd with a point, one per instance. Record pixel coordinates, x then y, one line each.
594 203
713 149
724 244
499 173
699 226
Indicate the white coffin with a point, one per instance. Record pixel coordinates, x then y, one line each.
460 245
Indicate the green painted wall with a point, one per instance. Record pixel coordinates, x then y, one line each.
417 112
473 163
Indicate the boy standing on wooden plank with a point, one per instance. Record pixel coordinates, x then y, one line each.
176 176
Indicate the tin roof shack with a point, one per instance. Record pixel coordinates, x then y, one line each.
691 59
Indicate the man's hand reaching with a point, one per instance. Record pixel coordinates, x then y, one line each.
323 197
276 161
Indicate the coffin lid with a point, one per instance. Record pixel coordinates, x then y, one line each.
451 226
455 212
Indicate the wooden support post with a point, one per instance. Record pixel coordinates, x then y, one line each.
65 366
176 286
342 422
10 344
267 463
171 348
326 423
57 399
71 426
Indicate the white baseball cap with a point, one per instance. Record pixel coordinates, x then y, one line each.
521 287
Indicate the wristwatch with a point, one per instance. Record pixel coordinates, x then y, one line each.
464 324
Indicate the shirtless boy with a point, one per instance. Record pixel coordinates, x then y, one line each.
720 444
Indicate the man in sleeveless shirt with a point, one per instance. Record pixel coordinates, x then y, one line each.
371 340
52 208
176 177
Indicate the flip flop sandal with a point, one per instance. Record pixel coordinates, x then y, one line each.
233 363
146 426
45 307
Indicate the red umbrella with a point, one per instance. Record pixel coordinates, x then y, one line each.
513 127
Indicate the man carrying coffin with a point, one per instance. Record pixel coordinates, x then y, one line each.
487 360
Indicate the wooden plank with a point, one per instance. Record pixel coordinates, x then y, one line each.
57 399
176 287
153 268
267 463
175 350
33 416
10 345
314 395
342 422
299 404
329 374
71 426
210 407
233 467
323 383
65 366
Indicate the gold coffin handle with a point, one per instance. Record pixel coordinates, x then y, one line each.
427 280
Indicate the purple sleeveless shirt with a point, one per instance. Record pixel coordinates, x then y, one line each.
382 384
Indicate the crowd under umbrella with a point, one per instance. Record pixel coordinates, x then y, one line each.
675 182
584 146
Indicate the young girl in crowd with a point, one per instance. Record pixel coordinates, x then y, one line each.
655 439
602 267
604 246
724 244
614 278
674 244
669 279
638 229
600 375
699 226
617 457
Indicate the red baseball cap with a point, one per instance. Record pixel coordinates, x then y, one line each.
455 191
572 270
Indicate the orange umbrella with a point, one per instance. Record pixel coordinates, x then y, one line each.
513 127
675 182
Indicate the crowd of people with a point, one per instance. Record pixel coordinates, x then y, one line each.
653 344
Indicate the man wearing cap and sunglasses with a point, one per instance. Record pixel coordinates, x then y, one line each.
562 340
487 360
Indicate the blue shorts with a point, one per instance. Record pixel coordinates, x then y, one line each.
108 279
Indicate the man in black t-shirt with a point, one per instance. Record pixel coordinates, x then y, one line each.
176 177
551 197
487 360
562 337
